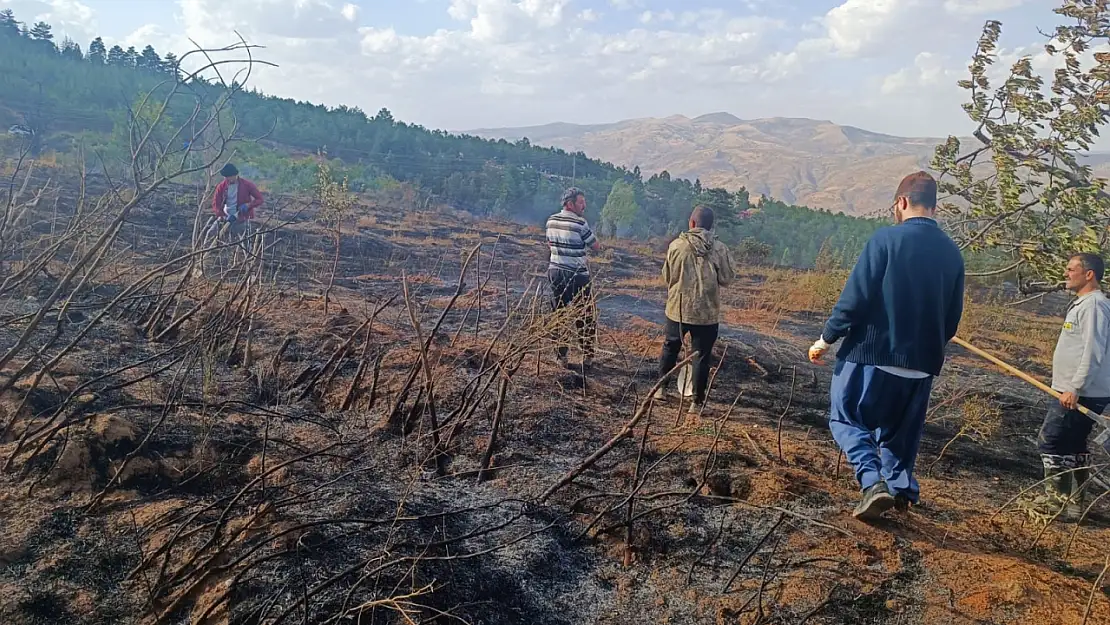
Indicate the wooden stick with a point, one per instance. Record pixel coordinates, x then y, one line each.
1014 371
621 435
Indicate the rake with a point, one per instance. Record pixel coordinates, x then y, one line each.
1099 419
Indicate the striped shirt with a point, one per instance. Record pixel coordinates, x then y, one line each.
568 236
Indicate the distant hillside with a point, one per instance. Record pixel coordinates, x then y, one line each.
801 161
83 98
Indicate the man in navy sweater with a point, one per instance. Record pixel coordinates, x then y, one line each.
901 305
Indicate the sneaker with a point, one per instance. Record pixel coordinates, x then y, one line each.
696 408
661 394
563 362
874 501
587 362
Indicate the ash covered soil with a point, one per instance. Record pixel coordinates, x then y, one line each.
220 444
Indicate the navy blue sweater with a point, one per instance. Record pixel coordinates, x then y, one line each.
903 300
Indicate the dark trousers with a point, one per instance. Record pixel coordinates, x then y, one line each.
702 339
570 289
877 419
1065 432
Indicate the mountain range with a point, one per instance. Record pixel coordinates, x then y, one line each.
802 161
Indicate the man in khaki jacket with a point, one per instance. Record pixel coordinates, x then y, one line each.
697 266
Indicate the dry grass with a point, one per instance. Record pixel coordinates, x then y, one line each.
819 561
638 283
1009 332
764 297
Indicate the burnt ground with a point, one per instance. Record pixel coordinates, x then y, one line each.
196 453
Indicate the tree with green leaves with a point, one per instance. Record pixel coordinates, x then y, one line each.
170 64
517 180
117 57
149 60
131 57
97 52
8 24
1022 194
71 50
384 116
40 34
620 211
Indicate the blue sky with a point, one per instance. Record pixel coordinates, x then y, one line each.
884 65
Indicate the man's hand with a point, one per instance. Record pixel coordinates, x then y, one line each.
817 351
243 208
1069 400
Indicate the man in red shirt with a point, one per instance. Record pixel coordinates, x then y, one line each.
234 203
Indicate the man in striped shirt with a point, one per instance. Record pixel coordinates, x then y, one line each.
568 237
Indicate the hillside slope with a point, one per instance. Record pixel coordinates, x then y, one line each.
802 161
221 449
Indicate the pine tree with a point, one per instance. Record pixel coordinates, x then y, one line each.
97 53
8 23
71 50
149 60
384 116
170 64
116 56
41 32
132 57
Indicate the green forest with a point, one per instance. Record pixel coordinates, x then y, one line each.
70 97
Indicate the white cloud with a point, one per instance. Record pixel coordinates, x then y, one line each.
980 7
69 18
288 19
928 71
648 17
873 28
860 27
145 35
519 62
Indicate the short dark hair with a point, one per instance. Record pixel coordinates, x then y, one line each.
920 189
702 217
229 170
1091 262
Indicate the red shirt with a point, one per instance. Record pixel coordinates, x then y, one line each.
248 194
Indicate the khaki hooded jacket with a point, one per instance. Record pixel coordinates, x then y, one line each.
697 265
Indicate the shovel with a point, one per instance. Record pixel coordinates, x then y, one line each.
1101 439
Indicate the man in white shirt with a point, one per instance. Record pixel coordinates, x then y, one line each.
569 237
1081 374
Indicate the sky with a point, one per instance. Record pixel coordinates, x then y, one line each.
883 65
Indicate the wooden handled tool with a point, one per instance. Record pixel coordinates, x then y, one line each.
1014 371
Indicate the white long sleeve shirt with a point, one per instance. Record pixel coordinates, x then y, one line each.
1081 362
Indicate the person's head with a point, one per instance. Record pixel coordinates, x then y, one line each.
1084 272
916 197
230 172
702 217
574 200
